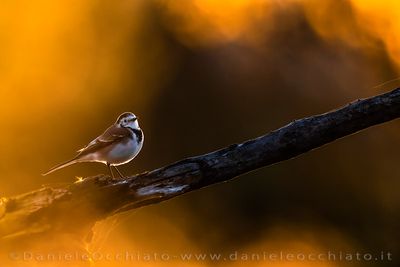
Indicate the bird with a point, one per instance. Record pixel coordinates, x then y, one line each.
117 145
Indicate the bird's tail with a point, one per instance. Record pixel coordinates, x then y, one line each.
61 165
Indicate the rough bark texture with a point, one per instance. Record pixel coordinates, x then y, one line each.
55 210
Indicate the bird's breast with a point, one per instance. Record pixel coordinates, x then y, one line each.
123 152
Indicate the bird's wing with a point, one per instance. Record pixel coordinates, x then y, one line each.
111 135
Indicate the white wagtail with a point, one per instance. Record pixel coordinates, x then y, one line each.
118 145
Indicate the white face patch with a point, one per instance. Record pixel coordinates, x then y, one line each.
132 124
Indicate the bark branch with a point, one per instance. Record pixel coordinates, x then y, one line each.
51 210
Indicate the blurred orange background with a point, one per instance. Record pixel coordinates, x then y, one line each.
202 74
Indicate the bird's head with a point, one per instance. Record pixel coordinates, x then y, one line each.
128 120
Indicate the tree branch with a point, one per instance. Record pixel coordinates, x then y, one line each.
51 210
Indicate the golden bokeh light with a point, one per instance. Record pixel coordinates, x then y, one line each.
380 19
358 23
208 22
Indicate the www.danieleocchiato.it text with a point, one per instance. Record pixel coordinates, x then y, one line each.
236 256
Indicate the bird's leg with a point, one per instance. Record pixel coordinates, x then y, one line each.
111 172
119 173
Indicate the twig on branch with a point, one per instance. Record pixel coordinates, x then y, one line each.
54 210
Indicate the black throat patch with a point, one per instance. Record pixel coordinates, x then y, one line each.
139 135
